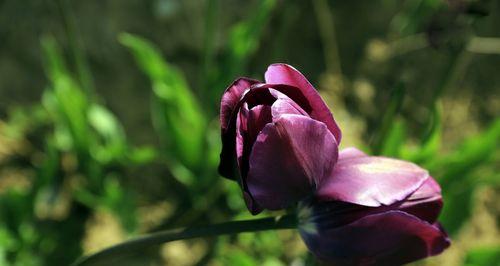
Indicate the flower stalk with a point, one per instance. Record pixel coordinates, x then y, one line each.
115 253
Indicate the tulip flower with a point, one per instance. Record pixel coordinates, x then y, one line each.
280 142
279 138
373 211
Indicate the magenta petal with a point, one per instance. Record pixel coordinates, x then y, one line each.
351 152
285 105
426 202
249 123
371 181
258 117
285 74
231 97
229 103
288 159
390 238
281 107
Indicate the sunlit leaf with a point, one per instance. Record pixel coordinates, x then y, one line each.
474 151
142 155
120 201
176 112
112 143
386 130
245 36
238 257
431 143
394 139
456 174
65 100
243 41
483 256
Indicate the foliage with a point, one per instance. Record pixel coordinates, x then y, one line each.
71 155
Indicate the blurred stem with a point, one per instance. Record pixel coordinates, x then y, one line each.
196 209
208 47
395 103
68 21
408 44
211 196
327 31
289 15
484 45
114 253
456 64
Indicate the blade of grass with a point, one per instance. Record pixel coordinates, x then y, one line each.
179 120
68 21
327 31
395 103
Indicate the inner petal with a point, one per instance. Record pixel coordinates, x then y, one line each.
249 124
285 105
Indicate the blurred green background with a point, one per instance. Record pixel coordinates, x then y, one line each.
109 116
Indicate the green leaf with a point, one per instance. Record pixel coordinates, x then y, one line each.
245 36
416 14
243 41
387 124
177 115
238 257
67 103
142 155
121 202
483 256
473 152
458 177
457 209
112 143
431 143
394 139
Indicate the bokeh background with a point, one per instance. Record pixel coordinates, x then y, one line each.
109 116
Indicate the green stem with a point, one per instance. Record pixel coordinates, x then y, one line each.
209 44
114 253
327 32
395 103
456 64
80 61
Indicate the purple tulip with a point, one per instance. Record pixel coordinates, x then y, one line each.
373 211
279 139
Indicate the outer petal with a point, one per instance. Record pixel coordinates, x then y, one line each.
258 94
426 202
371 181
232 100
231 97
288 159
390 238
285 74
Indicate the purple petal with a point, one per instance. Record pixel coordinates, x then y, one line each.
351 152
232 101
285 105
231 97
371 181
390 238
288 159
285 74
426 202
249 124
291 92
